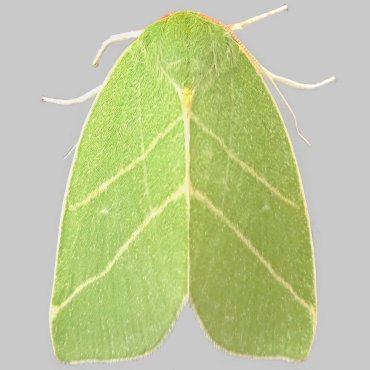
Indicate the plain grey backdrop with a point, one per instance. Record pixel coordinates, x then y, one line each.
46 48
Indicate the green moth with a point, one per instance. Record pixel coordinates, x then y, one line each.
184 187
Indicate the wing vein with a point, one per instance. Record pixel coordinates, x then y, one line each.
244 166
122 171
217 212
135 234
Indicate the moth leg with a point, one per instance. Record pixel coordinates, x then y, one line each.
70 151
298 85
246 23
114 39
295 84
290 110
80 99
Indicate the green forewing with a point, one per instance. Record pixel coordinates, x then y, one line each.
150 220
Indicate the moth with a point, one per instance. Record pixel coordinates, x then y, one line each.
184 188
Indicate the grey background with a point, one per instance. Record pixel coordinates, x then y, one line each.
47 48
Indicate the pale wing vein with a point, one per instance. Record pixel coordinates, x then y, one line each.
106 184
244 166
152 215
217 212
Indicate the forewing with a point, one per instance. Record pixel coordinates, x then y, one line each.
122 271
121 274
252 278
